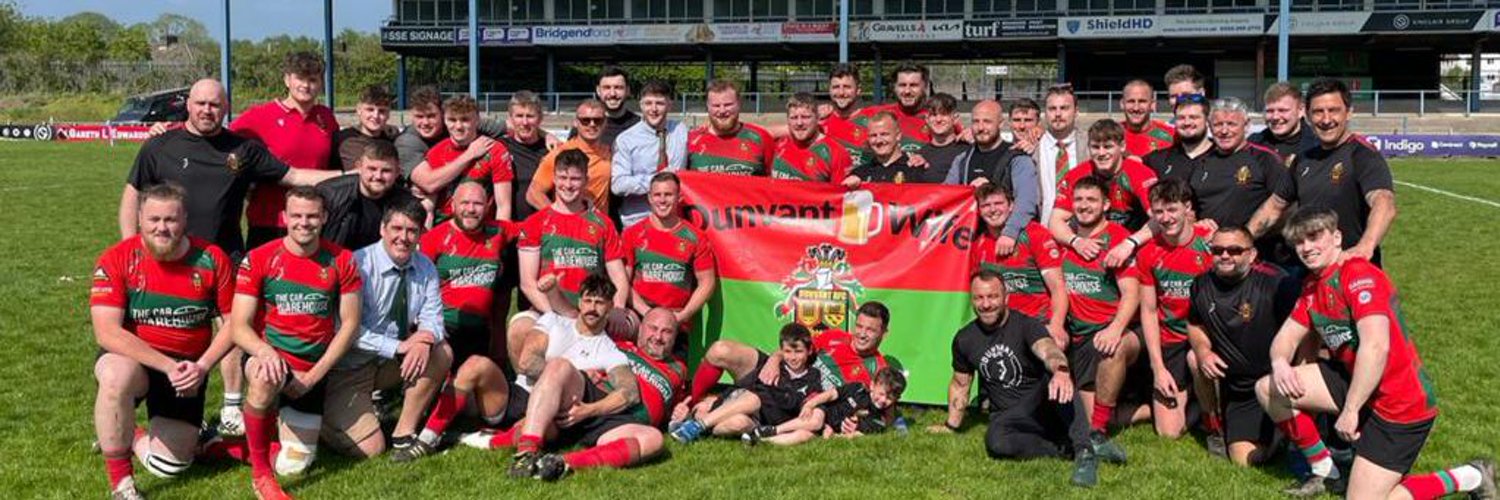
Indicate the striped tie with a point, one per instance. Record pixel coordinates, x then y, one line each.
1061 164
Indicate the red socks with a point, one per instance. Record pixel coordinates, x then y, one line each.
117 465
234 449
1213 423
449 403
617 454
704 379
506 438
529 443
1304 433
1102 415
258 431
1429 486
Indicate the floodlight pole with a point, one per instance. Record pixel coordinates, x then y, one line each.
328 52
474 48
1283 41
224 67
844 31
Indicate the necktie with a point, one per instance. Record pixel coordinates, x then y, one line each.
661 149
1062 159
399 309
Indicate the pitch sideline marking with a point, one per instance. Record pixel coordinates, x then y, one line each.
1449 194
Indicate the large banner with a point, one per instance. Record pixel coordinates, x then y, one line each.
812 253
1436 145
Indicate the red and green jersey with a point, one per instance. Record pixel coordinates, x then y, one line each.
846 133
169 305
664 262
1022 270
914 132
1172 270
1128 191
299 296
1093 292
468 265
661 382
1155 135
748 151
572 246
822 161
1334 301
492 168
839 364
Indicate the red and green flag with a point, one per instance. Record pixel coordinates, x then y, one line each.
813 252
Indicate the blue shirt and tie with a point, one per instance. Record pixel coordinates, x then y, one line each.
640 152
383 325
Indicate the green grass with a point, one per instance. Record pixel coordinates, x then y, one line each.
62 108
57 208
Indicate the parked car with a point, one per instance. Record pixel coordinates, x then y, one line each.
161 106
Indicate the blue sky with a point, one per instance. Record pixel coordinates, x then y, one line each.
252 19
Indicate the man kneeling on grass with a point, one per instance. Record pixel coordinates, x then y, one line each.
849 411
756 403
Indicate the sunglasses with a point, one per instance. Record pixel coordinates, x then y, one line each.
1232 251
590 121
1192 98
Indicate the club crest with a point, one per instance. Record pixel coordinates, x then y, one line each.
822 290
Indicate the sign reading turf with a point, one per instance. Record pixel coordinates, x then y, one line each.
1010 28
812 253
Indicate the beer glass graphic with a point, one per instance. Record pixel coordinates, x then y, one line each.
861 217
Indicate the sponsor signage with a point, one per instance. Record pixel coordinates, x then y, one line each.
1322 23
1458 20
497 35
1212 25
809 32
26 132
418 36
1107 27
910 31
574 35
83 132
737 33
1490 21
1436 145
1010 28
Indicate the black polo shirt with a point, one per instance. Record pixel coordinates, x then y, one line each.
1174 162
1009 373
898 172
940 160
216 171
1290 146
1231 186
1241 319
525 159
353 220
1339 179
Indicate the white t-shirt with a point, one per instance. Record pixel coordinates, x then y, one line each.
595 353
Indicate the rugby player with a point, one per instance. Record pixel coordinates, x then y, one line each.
1025 127
1101 306
671 262
1287 131
1241 183
912 83
1233 314
1183 158
613 89
425 109
807 154
945 144
1183 80
356 203
1025 376
1032 269
374 113
1373 379
1142 134
727 145
887 161
153 302
1345 173
840 126
464 154
289 295
1127 183
527 145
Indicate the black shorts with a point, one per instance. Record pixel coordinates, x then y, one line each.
1388 444
1175 357
161 398
515 405
1032 413
776 405
468 342
1244 418
510 277
1083 360
255 236
310 402
751 379
588 432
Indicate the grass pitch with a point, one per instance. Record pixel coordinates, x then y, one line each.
57 212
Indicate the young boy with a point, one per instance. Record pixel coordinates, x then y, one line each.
756 403
849 411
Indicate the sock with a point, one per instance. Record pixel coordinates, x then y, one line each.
529 443
449 404
704 379
505 438
118 466
1304 433
1213 423
232 399
258 431
617 454
1437 484
1102 415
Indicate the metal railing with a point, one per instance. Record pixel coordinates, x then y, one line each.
1365 102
